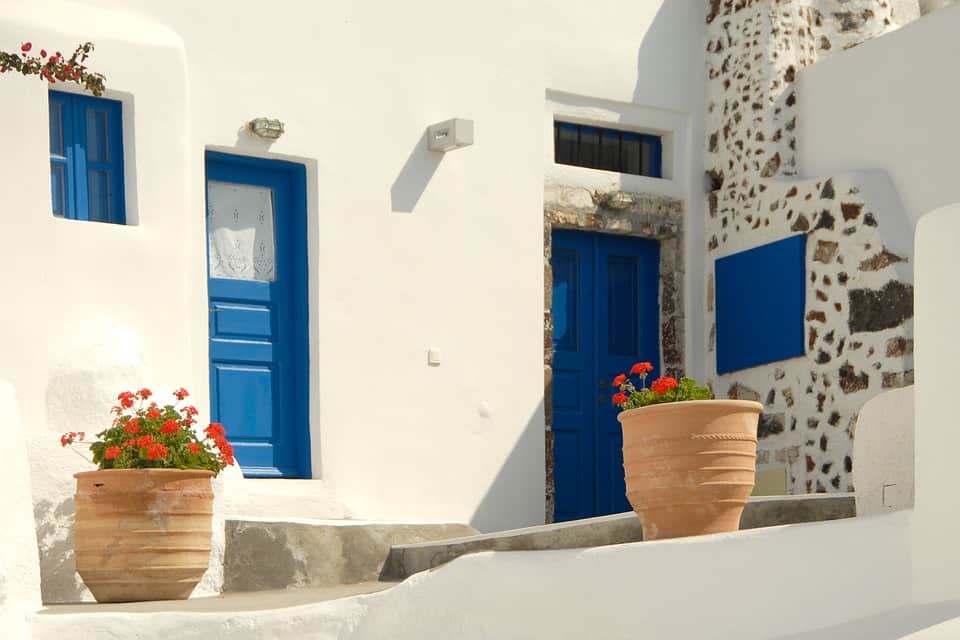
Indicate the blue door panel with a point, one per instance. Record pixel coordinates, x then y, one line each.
258 333
606 318
241 320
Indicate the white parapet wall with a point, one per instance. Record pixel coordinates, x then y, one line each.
753 585
883 452
936 525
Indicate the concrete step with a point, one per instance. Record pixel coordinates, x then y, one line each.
404 560
270 554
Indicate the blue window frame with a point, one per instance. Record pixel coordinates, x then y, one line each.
760 299
86 158
628 152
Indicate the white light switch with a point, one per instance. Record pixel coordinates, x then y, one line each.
433 357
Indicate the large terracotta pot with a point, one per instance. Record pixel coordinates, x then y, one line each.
690 466
143 534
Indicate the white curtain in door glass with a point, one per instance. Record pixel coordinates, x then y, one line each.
240 231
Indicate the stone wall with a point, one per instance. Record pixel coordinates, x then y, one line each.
641 215
859 296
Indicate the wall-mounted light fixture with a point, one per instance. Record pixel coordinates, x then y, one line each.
265 128
450 134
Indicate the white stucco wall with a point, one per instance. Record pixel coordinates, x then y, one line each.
936 527
408 250
19 566
888 104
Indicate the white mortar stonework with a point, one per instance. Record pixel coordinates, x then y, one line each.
858 309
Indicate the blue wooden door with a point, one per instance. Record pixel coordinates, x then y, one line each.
606 318
257 267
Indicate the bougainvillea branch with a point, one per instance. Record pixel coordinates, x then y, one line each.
54 68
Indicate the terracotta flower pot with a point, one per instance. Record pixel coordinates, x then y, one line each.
143 534
690 466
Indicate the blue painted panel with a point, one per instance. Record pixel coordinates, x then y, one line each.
566 390
760 298
565 311
568 483
241 320
245 397
623 295
258 333
613 291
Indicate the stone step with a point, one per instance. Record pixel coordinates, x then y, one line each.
271 554
404 560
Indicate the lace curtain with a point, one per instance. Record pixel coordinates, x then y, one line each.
240 228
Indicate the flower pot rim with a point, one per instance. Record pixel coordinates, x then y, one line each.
668 406
195 473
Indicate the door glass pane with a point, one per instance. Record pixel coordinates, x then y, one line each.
589 147
610 150
240 231
630 154
565 151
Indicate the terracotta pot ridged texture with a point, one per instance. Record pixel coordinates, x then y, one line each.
690 466
143 534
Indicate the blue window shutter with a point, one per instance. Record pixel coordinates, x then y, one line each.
61 155
91 130
760 300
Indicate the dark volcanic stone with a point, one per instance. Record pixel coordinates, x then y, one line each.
879 309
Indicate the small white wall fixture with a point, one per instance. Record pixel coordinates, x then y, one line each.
450 134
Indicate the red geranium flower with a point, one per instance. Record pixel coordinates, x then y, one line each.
170 426
111 453
180 393
132 426
130 442
126 399
194 448
215 430
156 451
154 413
619 398
641 369
26 46
144 441
190 411
144 393
619 380
663 384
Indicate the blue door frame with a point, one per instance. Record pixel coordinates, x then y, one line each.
258 346
606 317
